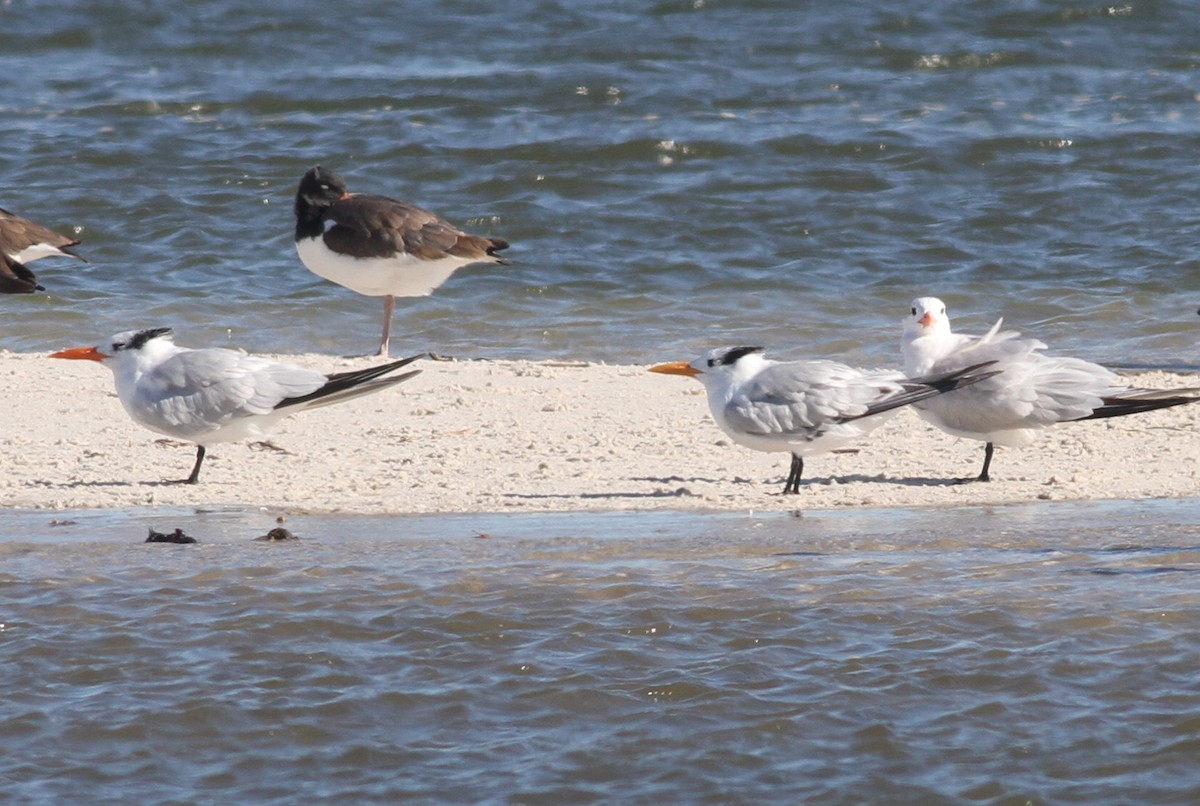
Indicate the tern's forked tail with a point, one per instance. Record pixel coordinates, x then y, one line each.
348 385
1137 401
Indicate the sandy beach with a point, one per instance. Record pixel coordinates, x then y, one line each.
497 436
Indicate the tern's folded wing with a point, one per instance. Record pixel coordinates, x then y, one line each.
802 396
205 389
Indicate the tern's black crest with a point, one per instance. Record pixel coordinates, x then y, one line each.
733 355
138 340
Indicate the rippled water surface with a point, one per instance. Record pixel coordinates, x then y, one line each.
671 175
1041 654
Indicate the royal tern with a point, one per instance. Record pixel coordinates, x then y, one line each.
22 242
378 246
804 407
216 395
1030 392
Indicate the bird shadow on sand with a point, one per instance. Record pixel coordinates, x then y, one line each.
678 492
910 481
693 479
815 481
682 492
74 485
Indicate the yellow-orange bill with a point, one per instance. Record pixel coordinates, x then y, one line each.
82 353
676 368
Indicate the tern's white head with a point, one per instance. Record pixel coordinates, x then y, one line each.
722 365
926 317
132 345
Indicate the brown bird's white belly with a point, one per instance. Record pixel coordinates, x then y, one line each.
401 275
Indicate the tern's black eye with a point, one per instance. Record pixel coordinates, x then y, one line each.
914 310
712 362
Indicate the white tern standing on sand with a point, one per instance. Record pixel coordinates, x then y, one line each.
217 395
804 407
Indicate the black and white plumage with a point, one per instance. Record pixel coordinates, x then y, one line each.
1030 392
215 395
804 407
21 243
378 246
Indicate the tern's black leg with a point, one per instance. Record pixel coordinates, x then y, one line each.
988 450
987 462
195 477
792 485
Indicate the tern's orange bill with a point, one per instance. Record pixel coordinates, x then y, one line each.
81 353
676 368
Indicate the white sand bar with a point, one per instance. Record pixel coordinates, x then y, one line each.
500 436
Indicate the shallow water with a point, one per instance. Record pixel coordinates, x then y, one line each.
1040 654
671 175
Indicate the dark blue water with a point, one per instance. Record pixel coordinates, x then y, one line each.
671 175
1034 654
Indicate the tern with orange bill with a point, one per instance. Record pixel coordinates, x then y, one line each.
216 395
805 407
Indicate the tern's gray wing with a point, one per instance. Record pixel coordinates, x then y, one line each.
200 390
1050 389
1029 390
806 396
996 345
